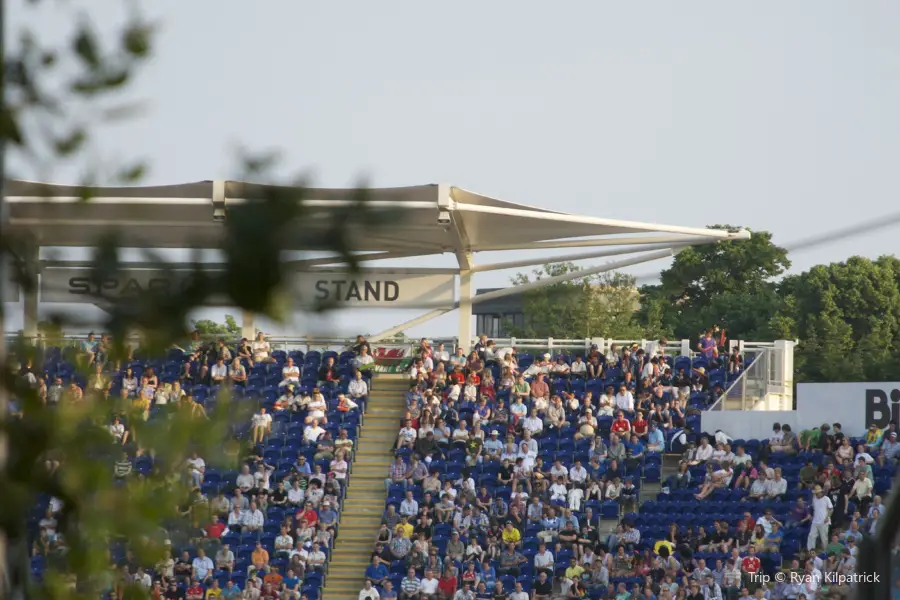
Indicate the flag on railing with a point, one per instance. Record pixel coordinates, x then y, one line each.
392 359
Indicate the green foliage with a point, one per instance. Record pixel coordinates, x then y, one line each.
229 328
847 318
731 283
54 97
589 306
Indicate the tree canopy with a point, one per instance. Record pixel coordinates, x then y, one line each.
731 283
592 305
845 316
229 328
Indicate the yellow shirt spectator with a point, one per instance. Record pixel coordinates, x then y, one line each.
511 535
573 573
404 530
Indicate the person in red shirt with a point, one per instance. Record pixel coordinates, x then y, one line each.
639 426
750 565
457 376
195 591
308 515
215 529
447 584
749 522
620 424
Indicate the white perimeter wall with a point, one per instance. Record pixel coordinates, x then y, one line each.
747 424
854 405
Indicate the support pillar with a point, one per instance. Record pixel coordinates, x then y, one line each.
248 325
464 334
30 297
782 379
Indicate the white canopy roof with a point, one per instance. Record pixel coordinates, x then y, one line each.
430 219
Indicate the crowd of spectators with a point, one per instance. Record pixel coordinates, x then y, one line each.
262 531
508 466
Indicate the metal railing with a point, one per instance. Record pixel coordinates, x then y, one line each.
761 385
763 374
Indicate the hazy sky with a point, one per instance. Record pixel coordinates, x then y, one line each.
772 115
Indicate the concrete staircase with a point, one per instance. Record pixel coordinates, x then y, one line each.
364 504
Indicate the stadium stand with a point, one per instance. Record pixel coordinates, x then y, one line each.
530 476
269 526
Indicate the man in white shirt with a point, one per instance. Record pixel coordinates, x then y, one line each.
409 507
579 367
704 451
313 432
406 438
368 592
196 468
202 566
358 389
441 354
776 488
767 520
117 430
290 373
822 509
296 494
261 425
316 559
519 594
532 423
245 481
428 586
219 373
578 474
625 400
364 360
284 543
543 560
254 519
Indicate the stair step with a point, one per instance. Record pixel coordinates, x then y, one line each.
364 505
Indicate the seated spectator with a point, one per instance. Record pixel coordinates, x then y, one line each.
261 426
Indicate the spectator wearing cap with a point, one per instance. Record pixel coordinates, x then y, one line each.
493 447
890 447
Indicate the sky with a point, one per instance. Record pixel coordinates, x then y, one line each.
778 116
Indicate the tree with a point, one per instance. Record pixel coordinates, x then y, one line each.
731 283
847 318
207 327
589 306
53 98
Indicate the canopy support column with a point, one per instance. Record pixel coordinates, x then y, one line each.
464 335
248 325
30 297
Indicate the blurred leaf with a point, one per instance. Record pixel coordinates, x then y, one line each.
136 40
71 143
85 45
116 78
132 174
123 111
9 127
